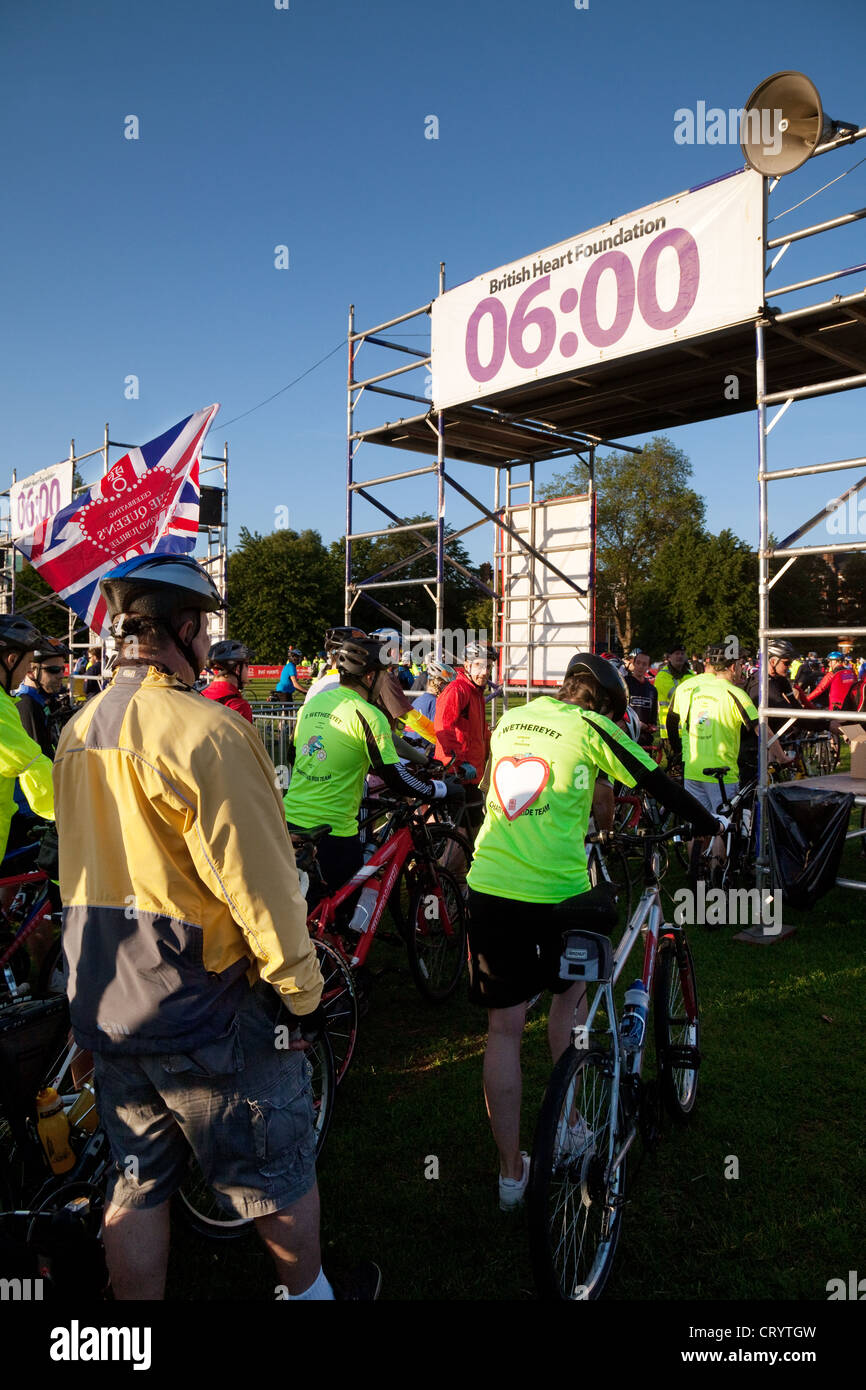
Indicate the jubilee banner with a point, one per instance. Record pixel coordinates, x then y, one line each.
677 269
147 503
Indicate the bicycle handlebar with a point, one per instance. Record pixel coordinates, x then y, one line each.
620 837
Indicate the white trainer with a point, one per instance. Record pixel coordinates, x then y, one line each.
513 1190
572 1140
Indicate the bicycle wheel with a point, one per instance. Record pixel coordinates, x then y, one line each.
340 1002
198 1203
664 823
677 1026
574 1202
452 850
436 935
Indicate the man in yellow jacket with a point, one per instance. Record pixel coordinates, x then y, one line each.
180 896
20 757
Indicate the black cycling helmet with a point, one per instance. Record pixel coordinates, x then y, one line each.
18 634
357 656
51 649
229 653
336 636
612 687
781 650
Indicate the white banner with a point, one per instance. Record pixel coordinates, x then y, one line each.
547 622
679 268
34 499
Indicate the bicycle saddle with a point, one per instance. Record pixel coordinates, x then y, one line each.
715 771
299 832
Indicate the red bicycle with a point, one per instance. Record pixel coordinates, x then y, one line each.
31 898
406 874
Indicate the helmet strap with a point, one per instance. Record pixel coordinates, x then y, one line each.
372 690
185 648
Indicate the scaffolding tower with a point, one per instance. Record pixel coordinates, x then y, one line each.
509 442
780 356
834 331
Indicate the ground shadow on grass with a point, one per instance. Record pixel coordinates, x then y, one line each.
782 1093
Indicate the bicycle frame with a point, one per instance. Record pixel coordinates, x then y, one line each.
390 856
737 836
647 918
40 909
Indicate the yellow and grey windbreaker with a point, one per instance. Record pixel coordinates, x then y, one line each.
23 759
177 876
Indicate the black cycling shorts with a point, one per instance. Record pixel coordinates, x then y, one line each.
515 947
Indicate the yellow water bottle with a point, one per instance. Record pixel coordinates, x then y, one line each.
53 1128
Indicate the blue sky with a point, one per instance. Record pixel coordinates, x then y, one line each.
305 127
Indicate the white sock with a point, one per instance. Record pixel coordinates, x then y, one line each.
319 1289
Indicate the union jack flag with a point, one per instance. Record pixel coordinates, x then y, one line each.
146 504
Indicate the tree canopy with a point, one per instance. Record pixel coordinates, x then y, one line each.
701 590
284 589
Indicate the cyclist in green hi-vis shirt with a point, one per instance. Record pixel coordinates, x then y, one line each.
669 678
20 757
530 857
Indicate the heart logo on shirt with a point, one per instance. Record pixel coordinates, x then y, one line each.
518 782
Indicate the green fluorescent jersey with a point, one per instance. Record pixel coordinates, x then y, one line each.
713 714
667 684
544 759
332 757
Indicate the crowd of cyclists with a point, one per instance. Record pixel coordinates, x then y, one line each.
184 925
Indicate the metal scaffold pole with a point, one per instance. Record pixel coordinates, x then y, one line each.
350 458
440 512
763 607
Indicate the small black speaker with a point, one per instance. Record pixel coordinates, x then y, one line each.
211 507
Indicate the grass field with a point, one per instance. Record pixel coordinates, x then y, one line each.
782 1092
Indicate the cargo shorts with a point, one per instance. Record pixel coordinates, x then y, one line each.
240 1105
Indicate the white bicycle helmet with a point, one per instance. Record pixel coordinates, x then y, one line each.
632 724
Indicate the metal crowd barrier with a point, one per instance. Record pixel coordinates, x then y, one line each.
276 726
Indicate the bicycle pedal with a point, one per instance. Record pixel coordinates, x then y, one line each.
684 1056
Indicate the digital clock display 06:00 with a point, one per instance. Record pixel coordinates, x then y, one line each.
530 334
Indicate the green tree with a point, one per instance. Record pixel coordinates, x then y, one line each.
283 589
701 589
36 600
641 500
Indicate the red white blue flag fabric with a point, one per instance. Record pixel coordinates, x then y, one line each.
146 504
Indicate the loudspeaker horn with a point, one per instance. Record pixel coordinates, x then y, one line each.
784 123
